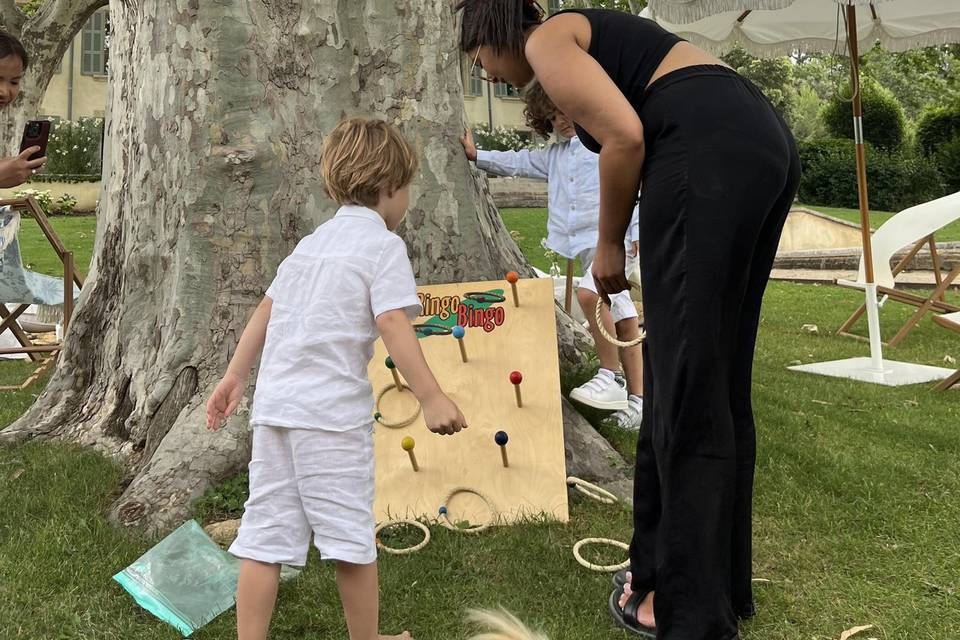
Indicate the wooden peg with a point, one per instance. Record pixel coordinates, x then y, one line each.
512 278
516 378
393 370
408 444
458 333
501 439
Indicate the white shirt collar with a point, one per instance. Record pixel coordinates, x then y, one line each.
359 211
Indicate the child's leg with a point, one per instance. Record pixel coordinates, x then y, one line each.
631 358
606 352
337 495
256 596
274 531
360 595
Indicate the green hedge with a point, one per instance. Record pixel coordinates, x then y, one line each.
896 180
884 124
938 126
948 159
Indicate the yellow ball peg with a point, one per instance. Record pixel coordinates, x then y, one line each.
407 444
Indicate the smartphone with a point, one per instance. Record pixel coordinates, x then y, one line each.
35 134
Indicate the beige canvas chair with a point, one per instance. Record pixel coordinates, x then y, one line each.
914 227
21 287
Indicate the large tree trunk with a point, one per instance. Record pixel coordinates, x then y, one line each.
215 124
46 36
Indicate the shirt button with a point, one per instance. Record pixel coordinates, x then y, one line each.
571 178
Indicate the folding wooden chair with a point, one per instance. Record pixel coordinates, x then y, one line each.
21 287
950 321
915 226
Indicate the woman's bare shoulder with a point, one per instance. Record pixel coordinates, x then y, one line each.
560 28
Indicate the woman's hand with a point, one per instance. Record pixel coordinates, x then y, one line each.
469 148
607 269
18 169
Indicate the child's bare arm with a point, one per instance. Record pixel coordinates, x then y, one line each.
441 414
251 341
226 396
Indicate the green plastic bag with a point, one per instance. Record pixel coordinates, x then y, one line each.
186 580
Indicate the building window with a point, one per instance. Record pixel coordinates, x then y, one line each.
553 6
93 60
474 84
504 90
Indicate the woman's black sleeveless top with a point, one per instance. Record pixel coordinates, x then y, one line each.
629 48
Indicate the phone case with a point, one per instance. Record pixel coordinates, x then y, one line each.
35 134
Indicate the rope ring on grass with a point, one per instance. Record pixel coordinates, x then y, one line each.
445 517
611 339
592 491
610 568
395 523
394 425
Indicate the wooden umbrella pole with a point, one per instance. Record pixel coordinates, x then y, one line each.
568 299
858 139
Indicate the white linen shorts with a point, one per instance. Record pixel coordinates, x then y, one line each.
621 305
305 481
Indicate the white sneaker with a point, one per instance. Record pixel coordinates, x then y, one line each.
628 418
603 391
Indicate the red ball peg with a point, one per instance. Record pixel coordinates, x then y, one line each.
516 378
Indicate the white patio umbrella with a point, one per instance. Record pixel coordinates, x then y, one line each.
778 27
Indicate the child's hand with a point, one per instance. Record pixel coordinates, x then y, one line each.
442 415
635 249
469 148
224 400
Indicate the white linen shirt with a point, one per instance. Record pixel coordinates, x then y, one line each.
326 299
572 173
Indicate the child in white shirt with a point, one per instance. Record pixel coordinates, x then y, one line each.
573 183
312 466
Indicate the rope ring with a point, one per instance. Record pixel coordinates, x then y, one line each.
445 518
394 523
427 329
599 567
394 425
592 491
606 335
483 297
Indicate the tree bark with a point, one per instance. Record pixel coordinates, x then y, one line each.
46 36
217 114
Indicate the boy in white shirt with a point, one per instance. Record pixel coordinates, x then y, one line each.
312 466
573 183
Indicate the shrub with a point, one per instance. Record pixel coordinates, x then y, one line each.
895 180
74 150
948 159
44 198
938 125
499 139
884 125
66 204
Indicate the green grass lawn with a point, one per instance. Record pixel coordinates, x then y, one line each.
857 518
76 233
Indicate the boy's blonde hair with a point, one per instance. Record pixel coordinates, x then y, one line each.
362 156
